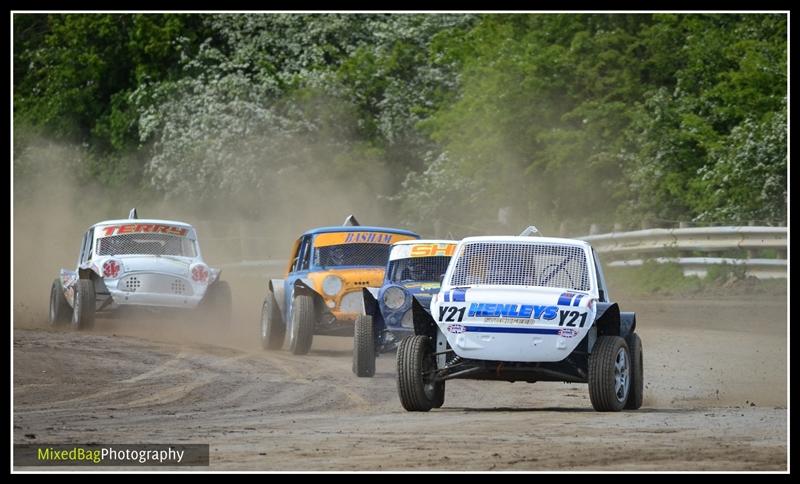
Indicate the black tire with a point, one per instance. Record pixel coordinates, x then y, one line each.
218 303
364 347
303 322
83 305
607 392
636 392
415 362
273 330
59 307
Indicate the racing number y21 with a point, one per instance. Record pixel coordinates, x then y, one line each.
573 315
448 314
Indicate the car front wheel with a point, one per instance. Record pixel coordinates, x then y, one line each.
303 322
416 365
364 347
59 307
272 328
83 305
609 374
636 393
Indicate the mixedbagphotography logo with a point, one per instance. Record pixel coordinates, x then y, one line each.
111 455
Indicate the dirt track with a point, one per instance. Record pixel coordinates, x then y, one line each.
715 398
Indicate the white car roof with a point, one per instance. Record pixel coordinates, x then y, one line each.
536 239
142 221
425 241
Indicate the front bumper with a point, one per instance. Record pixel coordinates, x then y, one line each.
123 298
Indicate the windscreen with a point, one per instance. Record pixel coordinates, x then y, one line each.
146 244
418 269
353 254
522 264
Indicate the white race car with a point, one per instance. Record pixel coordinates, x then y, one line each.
524 308
134 262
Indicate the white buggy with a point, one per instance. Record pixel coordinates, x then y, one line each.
524 308
132 262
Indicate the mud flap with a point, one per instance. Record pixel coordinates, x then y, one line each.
102 295
607 320
323 314
370 301
424 325
373 308
319 303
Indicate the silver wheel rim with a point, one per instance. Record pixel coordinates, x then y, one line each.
622 369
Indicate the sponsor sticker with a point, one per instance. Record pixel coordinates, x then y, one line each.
509 321
338 238
144 228
567 332
428 250
456 328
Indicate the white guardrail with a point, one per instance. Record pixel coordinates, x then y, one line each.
632 249
627 249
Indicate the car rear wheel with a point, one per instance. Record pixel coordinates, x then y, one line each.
83 305
364 347
416 364
303 322
273 330
636 393
59 307
609 374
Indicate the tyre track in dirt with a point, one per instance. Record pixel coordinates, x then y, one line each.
714 400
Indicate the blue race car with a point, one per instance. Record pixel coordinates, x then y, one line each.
412 278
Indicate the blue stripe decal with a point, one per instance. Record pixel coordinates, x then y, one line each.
577 300
458 295
447 296
525 330
565 299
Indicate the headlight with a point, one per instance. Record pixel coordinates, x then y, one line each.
394 297
331 285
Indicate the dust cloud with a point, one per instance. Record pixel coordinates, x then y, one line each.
54 206
715 369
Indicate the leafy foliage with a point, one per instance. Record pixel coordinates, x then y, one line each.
439 118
